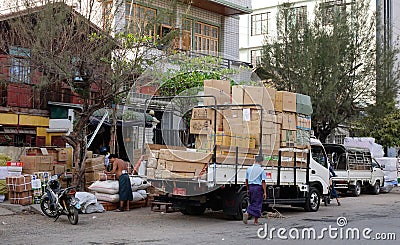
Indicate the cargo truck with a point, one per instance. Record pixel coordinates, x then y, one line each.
213 175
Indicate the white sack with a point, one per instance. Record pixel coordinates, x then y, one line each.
137 196
365 142
138 183
108 186
389 162
107 197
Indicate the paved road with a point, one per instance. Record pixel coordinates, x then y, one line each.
375 214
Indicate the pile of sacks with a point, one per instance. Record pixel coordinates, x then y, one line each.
108 190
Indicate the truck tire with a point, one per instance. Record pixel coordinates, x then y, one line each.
356 191
313 200
375 189
243 203
193 210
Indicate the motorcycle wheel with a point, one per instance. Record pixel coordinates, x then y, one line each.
45 207
73 215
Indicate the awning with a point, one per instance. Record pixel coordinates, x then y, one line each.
222 7
19 131
56 130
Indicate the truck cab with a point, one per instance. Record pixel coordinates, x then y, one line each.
355 169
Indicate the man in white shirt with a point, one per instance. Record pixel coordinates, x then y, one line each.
256 190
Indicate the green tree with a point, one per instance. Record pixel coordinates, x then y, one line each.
331 58
67 49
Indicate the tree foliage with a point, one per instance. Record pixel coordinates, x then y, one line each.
331 58
67 48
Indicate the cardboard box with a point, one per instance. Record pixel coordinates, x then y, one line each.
202 142
288 138
243 141
289 121
103 176
265 97
22 198
207 141
203 113
303 122
221 89
33 162
184 156
59 168
152 162
19 183
91 176
183 166
150 173
237 95
233 125
285 101
269 99
42 167
303 138
226 159
253 95
200 126
62 155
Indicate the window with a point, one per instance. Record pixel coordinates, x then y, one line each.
299 16
107 15
256 56
339 138
140 20
332 9
20 70
259 24
318 154
205 37
186 34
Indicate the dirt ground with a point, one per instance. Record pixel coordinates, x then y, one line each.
142 226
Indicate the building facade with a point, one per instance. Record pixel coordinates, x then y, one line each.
30 116
261 23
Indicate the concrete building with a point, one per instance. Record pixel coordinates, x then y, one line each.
261 23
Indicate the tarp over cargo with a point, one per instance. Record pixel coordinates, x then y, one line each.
365 142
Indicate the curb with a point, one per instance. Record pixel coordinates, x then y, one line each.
16 208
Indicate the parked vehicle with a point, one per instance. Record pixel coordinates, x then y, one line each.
295 176
57 201
355 169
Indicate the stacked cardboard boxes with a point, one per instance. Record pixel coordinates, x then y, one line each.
285 122
52 160
19 189
177 164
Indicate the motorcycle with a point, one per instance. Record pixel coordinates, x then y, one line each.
57 201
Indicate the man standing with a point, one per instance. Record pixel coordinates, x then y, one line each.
333 190
256 190
120 169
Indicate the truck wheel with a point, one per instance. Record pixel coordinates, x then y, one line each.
193 210
375 189
243 203
357 189
313 200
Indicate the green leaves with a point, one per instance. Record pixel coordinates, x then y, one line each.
333 60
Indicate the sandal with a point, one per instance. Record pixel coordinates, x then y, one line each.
119 210
259 223
245 217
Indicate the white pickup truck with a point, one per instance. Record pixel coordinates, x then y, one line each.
356 170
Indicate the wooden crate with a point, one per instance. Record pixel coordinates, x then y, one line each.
109 206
